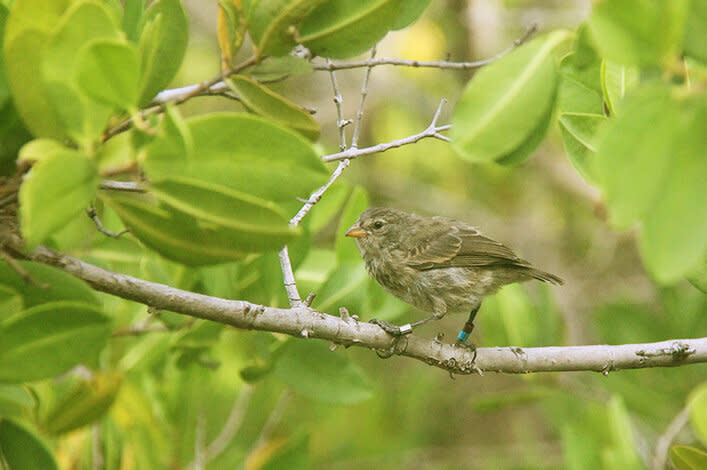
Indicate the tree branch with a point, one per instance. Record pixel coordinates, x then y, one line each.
303 322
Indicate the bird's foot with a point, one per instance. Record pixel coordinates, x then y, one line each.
471 347
391 329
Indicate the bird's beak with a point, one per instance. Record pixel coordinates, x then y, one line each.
356 232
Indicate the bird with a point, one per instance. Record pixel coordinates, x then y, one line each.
436 264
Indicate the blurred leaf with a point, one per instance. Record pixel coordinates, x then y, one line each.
410 10
346 249
616 81
580 452
696 31
638 32
688 458
62 286
57 188
163 43
13 135
698 412
329 206
503 400
274 107
529 145
272 24
49 339
231 28
311 369
132 18
86 403
579 138
343 29
22 449
699 278
290 455
40 149
109 72
14 400
506 101
345 287
10 300
277 68
622 453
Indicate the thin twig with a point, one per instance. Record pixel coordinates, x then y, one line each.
98 461
288 278
232 424
19 269
128 186
91 212
317 195
362 101
439 64
433 130
338 100
200 441
662 446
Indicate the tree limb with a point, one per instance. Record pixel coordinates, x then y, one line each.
303 322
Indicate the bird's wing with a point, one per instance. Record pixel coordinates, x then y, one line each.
460 247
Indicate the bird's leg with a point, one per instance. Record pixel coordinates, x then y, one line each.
395 330
466 331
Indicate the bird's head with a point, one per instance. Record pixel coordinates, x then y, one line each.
378 228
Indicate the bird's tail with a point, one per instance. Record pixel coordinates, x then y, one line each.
543 276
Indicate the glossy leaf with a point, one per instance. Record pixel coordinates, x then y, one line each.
86 403
56 190
688 457
109 72
343 29
265 102
346 249
311 369
638 32
507 101
22 449
49 339
579 138
272 24
162 46
616 81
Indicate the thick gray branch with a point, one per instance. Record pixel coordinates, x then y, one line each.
303 322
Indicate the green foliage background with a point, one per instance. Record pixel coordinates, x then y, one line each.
584 148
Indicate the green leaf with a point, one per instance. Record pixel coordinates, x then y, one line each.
132 18
293 454
650 164
15 400
329 207
40 149
86 403
172 233
579 138
162 46
49 339
274 107
688 458
272 24
410 10
696 31
23 61
54 191
638 32
343 29
22 449
232 24
109 72
33 15
616 81
345 287
346 249
698 412
62 286
622 452
507 101
311 369
277 68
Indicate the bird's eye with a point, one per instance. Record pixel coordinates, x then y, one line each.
377 224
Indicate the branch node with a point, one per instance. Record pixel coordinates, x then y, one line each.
304 333
310 298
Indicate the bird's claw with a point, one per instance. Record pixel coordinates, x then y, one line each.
391 329
468 346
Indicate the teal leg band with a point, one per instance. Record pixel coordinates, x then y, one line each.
463 336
